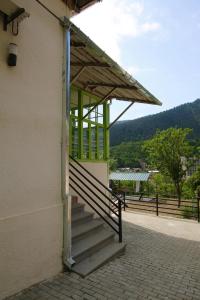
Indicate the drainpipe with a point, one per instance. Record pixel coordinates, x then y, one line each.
66 198
67 258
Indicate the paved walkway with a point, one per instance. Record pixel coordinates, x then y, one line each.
162 261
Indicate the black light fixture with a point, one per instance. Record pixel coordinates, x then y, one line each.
12 55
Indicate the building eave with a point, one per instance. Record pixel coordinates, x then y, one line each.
79 5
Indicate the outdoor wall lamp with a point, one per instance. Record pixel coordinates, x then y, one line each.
12 55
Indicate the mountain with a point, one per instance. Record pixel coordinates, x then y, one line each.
182 116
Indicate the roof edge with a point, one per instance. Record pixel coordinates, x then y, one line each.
73 5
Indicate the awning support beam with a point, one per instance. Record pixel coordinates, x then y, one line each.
98 103
143 101
77 75
123 112
111 85
90 64
77 45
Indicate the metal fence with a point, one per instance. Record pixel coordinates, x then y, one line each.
188 209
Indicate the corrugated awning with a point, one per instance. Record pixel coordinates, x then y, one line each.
94 71
122 176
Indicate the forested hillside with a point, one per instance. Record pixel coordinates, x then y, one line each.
183 116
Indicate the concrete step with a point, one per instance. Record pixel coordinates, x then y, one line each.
81 218
98 258
82 230
91 243
77 208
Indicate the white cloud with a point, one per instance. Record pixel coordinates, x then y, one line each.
108 22
146 27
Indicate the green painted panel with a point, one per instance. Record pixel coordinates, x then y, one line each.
80 125
89 139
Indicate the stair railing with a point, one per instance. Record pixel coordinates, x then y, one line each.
92 191
122 196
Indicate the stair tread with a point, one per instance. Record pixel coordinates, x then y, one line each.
84 228
97 259
90 241
81 215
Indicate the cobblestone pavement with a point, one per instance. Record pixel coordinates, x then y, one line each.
156 265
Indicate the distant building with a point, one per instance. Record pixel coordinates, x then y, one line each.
130 176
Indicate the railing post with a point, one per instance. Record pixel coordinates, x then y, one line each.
120 220
124 195
156 204
198 214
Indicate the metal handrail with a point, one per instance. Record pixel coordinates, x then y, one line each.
97 180
89 203
122 196
86 185
86 178
82 183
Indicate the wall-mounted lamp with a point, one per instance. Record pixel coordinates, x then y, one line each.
12 55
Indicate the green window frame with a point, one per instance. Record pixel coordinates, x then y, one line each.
89 137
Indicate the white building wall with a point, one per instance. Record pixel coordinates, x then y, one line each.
30 153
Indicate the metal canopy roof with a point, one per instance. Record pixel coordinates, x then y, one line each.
94 71
129 176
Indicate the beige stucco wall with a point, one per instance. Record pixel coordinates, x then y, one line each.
30 152
100 171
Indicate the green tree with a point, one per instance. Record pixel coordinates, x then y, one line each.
112 164
162 185
127 155
168 151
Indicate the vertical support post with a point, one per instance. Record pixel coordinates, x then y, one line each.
89 141
156 204
120 220
97 141
198 213
71 133
106 131
67 258
80 124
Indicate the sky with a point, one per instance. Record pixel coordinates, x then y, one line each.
156 41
